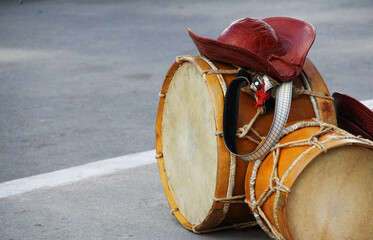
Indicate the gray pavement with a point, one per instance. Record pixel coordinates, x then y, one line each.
79 79
79 83
127 205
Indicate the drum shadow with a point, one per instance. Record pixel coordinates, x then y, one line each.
253 233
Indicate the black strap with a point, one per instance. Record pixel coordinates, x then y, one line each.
231 107
230 113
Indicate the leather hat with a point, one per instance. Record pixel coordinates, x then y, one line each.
276 46
353 116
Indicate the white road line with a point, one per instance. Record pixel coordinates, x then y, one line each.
75 174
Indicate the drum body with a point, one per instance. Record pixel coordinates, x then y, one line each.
318 185
204 183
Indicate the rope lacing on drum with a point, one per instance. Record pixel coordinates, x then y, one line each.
242 131
220 71
219 133
302 90
174 210
234 199
276 184
159 155
259 211
236 226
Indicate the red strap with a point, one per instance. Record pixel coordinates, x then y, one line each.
262 96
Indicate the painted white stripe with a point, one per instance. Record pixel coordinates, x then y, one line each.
75 174
368 103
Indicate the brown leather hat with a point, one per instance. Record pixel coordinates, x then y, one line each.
276 46
353 116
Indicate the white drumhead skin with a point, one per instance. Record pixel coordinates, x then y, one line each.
189 143
332 198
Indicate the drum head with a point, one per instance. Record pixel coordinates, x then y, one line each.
332 197
189 143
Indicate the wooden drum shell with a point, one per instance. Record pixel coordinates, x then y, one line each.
304 155
222 213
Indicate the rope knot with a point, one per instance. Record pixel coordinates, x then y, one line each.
253 206
242 131
315 142
278 185
300 91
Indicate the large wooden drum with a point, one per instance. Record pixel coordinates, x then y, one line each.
317 184
203 182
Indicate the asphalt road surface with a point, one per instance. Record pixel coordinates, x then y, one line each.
79 79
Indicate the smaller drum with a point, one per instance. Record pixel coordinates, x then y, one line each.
316 184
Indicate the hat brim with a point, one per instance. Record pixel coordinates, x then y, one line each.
296 37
